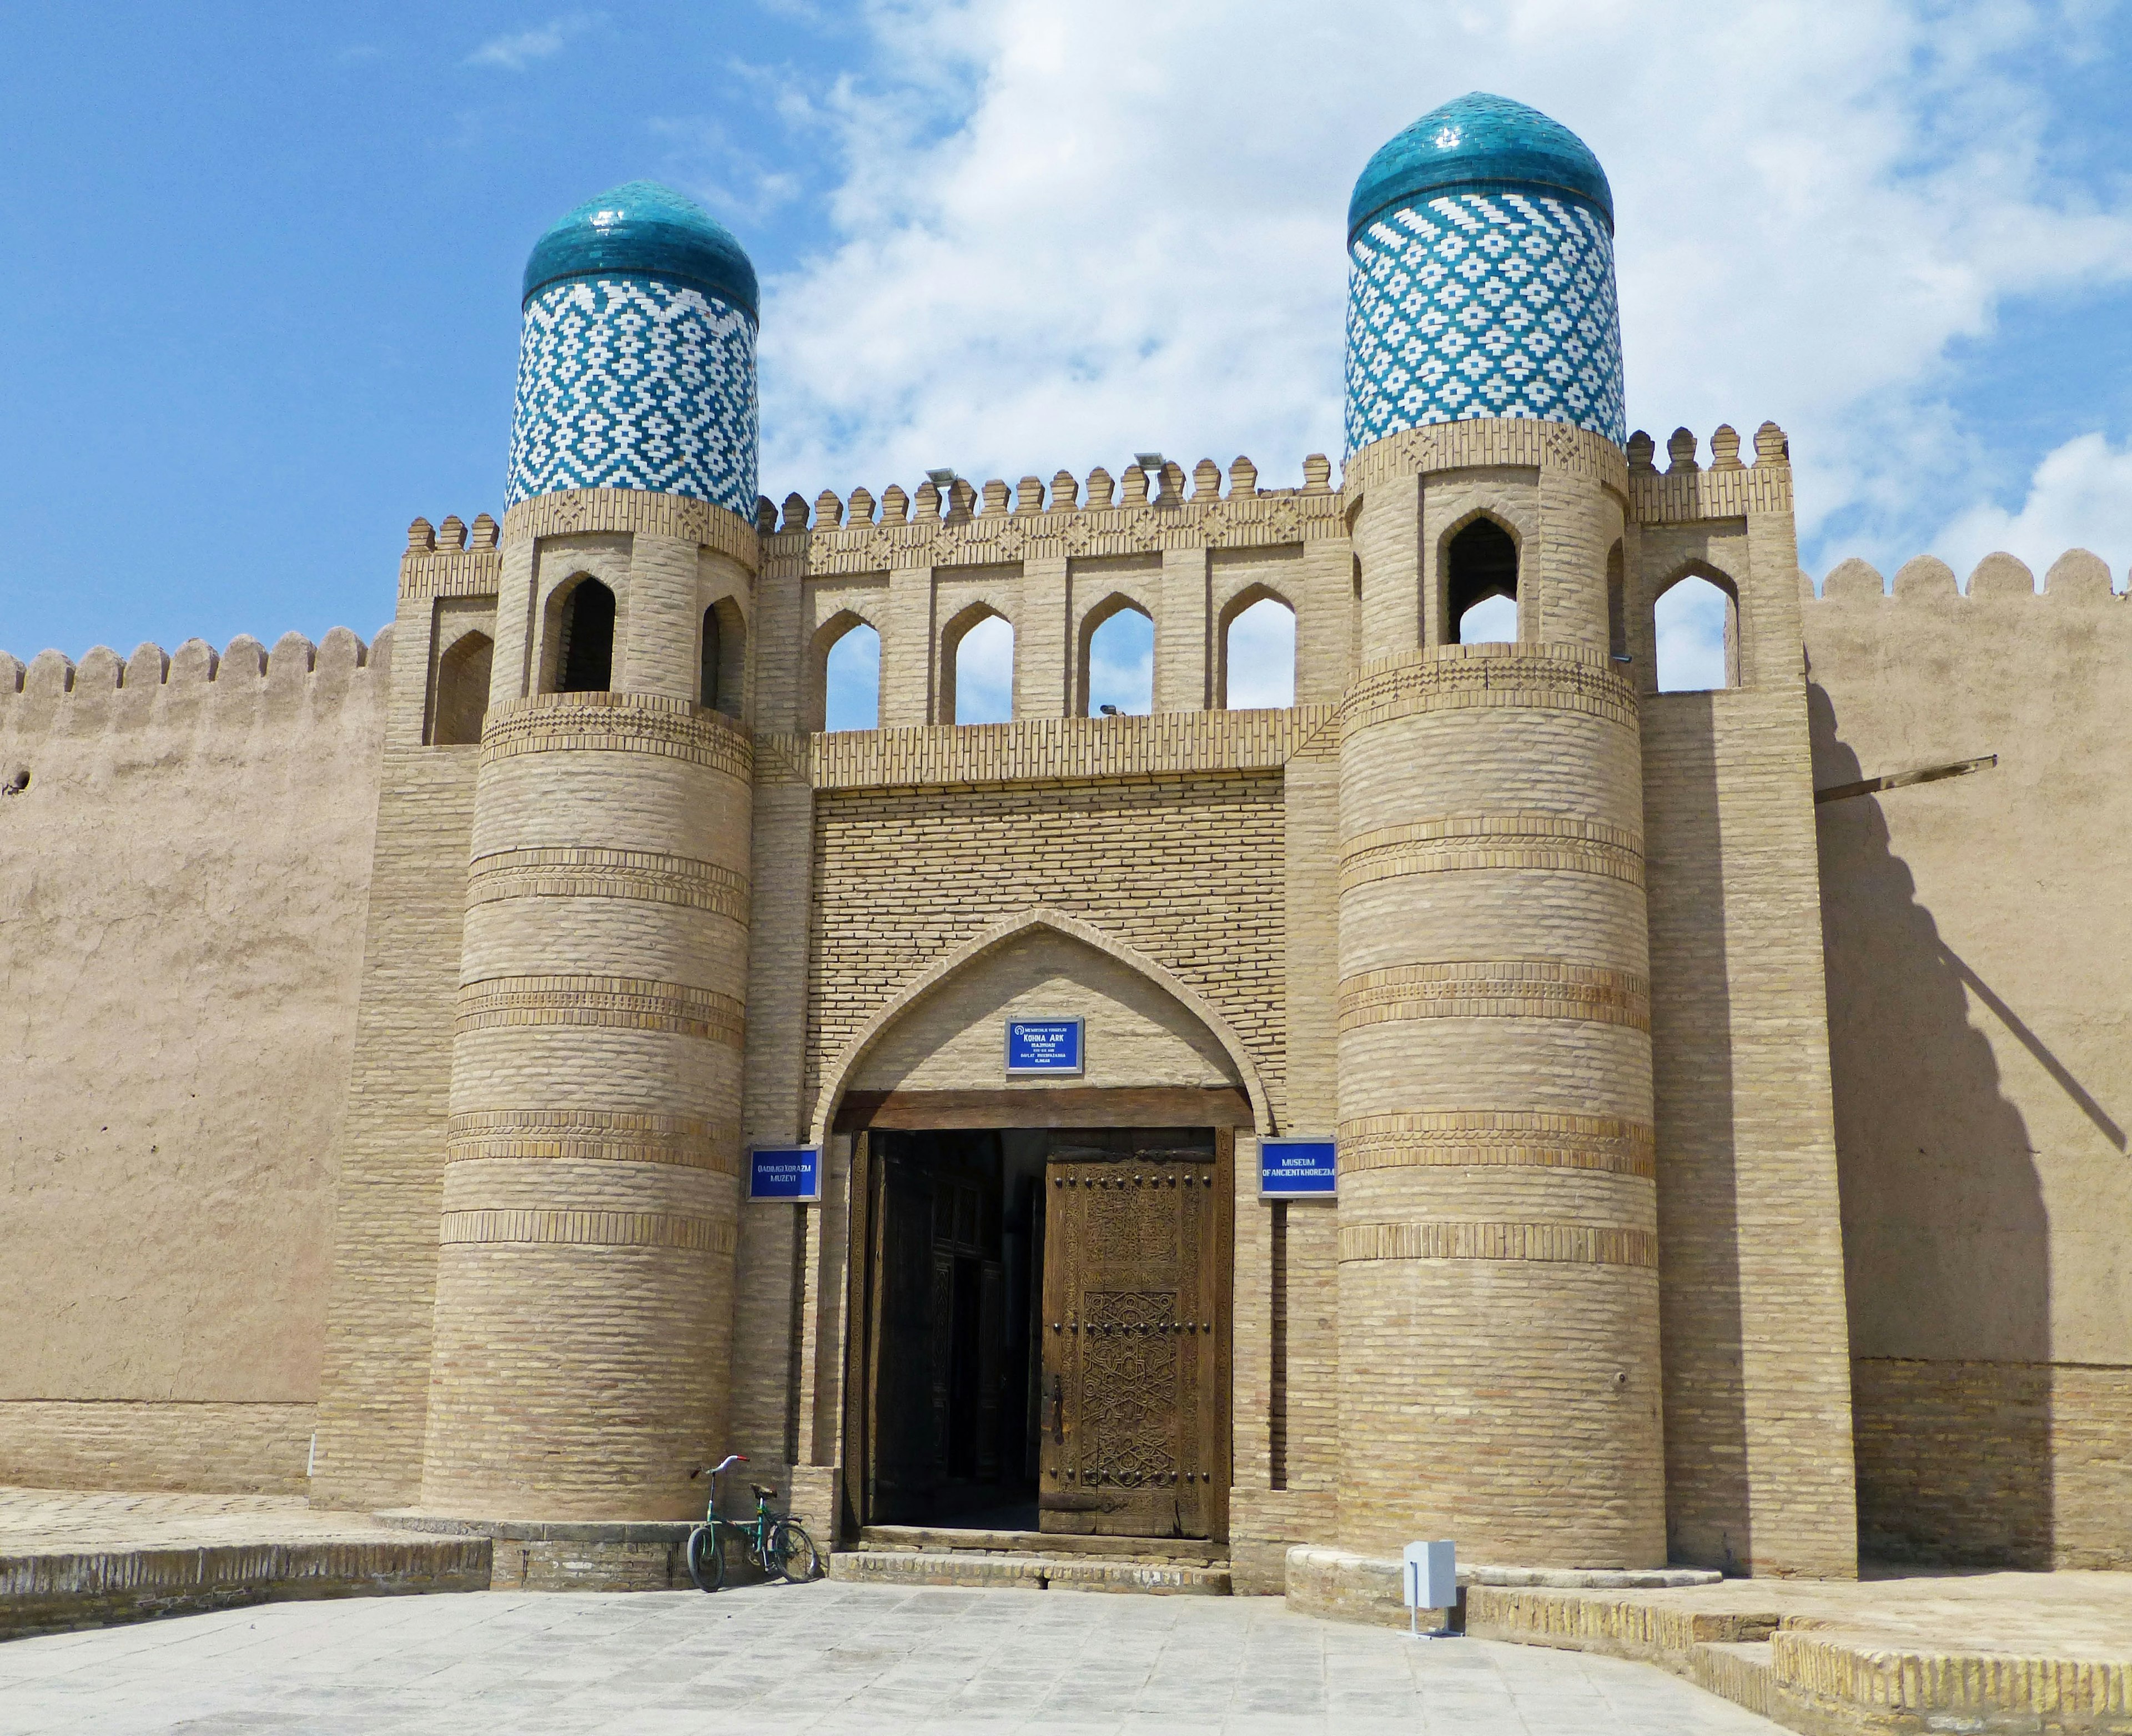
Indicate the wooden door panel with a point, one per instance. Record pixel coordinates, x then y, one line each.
1132 1444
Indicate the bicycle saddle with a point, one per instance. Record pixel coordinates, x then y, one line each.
761 1493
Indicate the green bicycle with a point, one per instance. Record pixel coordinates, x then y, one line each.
770 1541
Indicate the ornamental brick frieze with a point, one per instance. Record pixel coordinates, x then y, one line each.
1456 841
617 1003
591 1135
560 871
581 1228
1590 1244
1514 988
622 723
1507 1139
1558 677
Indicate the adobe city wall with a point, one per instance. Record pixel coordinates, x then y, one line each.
1978 946
182 884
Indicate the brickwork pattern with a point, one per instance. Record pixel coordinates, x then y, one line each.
1187 870
231 1449
1498 1230
1993 1463
1757 1423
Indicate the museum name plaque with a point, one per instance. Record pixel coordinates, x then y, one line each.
789 1173
1043 1046
1297 1169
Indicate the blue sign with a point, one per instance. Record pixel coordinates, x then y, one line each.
790 1172
1044 1045
1297 1169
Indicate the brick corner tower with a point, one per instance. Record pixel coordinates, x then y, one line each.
1498 1305
586 1258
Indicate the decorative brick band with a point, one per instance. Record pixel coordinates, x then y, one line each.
1582 1245
1550 678
560 872
1515 1138
616 723
603 1134
572 512
1492 441
1451 842
617 1003
556 1226
1508 988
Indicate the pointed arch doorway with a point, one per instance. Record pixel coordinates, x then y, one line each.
1039 1285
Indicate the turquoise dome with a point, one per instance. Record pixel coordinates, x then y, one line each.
642 229
1479 143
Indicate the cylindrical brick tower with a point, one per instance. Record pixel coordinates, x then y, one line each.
585 1271
1497 1241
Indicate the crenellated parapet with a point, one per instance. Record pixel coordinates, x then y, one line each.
2076 577
1685 490
1143 509
53 695
448 561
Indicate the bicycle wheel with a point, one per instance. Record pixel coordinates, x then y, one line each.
791 1553
707 1560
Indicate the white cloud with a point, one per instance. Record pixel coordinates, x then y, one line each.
1121 663
2080 497
1689 626
984 673
522 49
1063 236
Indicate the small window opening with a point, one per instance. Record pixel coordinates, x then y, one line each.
1118 664
851 680
723 678
587 648
1617 606
1696 626
1482 585
978 676
462 691
1258 657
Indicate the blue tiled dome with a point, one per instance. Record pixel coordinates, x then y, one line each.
1479 143
642 229
1480 249
636 368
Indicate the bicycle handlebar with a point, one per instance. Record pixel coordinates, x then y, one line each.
719 1470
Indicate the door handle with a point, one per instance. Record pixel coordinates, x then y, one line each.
1055 1395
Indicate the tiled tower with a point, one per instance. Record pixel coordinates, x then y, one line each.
1500 1377
1482 241
585 1271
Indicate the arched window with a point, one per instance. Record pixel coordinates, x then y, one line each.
1696 624
724 659
1258 654
1480 585
462 691
849 674
976 667
1117 659
584 642
1617 606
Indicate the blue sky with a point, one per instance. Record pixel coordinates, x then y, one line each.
259 305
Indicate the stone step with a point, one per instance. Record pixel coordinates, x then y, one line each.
942 1540
1738 1671
1018 1571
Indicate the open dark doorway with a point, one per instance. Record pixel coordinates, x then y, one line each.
1040 1336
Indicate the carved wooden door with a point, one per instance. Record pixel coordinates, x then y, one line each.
1133 1435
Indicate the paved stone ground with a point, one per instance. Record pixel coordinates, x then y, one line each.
821 1657
74 1518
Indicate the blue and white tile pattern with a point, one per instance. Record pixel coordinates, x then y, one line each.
1483 305
631 383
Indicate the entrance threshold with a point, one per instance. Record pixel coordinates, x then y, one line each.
1031 1560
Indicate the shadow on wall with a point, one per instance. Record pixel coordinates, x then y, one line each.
1708 1507
1947 1250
